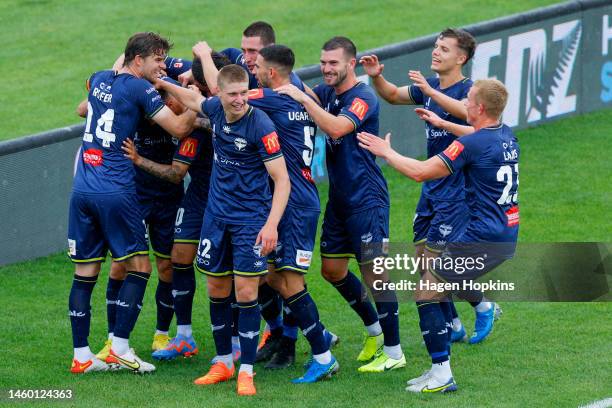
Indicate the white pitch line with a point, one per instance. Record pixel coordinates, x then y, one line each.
604 403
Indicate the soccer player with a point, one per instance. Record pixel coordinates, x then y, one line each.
489 160
159 201
240 226
441 214
358 208
104 209
298 227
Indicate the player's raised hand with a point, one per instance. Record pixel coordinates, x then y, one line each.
186 78
429 116
201 49
372 143
420 81
130 151
293 92
371 65
267 239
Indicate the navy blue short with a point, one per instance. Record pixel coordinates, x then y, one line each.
437 222
345 236
189 217
101 222
159 215
297 232
229 249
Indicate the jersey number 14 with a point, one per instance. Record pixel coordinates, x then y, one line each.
104 126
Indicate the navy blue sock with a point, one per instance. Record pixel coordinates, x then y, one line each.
433 328
271 308
183 291
388 315
446 307
248 330
112 293
79 305
235 312
356 295
290 324
220 318
165 305
129 302
306 314
472 296
454 313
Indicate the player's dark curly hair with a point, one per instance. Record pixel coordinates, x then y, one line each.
279 55
262 30
219 60
145 44
341 42
465 41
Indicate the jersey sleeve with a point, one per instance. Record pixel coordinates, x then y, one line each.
458 154
266 138
176 66
261 98
416 94
147 97
188 149
359 108
209 106
234 55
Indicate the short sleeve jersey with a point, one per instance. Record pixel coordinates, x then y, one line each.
176 66
196 151
489 160
296 132
239 187
449 188
356 181
155 144
116 105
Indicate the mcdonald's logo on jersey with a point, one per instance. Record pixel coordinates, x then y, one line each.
256 93
271 143
453 150
189 147
359 107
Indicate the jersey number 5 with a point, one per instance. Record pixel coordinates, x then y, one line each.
309 133
103 129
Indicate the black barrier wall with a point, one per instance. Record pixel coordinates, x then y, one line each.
556 61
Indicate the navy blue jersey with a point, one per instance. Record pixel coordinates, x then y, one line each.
296 132
239 187
489 160
196 151
451 187
116 105
154 143
236 57
356 181
176 66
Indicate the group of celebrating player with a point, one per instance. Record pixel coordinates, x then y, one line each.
243 126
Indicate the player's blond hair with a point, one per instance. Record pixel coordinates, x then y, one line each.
230 74
492 94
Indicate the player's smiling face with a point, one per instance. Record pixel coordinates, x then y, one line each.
446 55
152 67
234 98
250 50
335 66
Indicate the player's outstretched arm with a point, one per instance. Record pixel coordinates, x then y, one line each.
417 170
453 106
389 92
173 173
334 126
179 126
188 97
268 236
203 51
436 121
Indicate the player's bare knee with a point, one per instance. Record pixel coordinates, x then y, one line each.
117 271
293 283
164 269
246 288
87 269
183 253
219 287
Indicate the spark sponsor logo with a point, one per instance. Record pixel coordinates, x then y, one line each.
93 157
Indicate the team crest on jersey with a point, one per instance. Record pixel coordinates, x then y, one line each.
227 129
359 107
303 258
271 143
240 143
189 147
256 93
454 150
445 229
93 157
